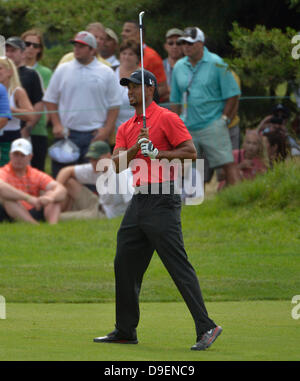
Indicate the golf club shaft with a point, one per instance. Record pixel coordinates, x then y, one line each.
142 66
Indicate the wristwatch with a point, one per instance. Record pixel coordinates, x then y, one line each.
227 120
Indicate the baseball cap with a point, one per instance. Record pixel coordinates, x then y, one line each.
174 32
85 38
16 42
97 149
112 34
136 77
192 35
21 145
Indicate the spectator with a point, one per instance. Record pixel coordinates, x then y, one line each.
250 160
5 114
32 83
94 98
81 203
151 59
276 143
130 56
109 49
174 50
19 104
98 31
19 174
209 93
39 134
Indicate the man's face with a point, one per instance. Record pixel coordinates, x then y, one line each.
99 36
19 161
94 162
33 46
173 48
192 50
83 53
16 55
130 31
135 95
109 47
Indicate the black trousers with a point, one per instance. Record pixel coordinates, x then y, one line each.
153 222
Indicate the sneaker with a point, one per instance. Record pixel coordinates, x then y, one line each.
114 338
207 339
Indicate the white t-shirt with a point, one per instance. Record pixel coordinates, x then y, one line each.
113 61
84 94
113 204
126 111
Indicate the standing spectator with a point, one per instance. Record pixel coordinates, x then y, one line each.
39 134
87 108
19 104
130 55
98 31
32 83
5 114
81 202
21 175
109 50
152 60
209 93
174 49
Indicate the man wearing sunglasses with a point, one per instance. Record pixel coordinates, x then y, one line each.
205 94
174 49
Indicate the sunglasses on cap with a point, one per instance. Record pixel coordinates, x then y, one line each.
190 32
34 44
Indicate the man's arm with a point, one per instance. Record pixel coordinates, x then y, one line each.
55 192
10 193
163 90
185 150
65 174
58 129
109 126
231 106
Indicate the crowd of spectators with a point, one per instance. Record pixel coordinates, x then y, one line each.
82 102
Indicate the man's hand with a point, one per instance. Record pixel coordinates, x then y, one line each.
45 200
35 202
101 134
147 148
58 131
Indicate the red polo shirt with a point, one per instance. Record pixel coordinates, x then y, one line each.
166 131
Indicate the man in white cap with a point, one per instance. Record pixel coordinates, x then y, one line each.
205 94
110 48
83 97
44 194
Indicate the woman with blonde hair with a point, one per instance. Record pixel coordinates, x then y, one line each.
20 105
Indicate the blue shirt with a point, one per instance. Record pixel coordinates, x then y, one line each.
211 86
4 103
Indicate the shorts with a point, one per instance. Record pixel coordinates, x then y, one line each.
85 207
214 141
38 215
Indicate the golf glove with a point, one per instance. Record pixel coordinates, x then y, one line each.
147 148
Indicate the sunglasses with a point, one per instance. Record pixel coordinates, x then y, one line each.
34 44
171 43
187 43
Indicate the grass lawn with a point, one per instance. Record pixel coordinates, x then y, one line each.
253 331
244 244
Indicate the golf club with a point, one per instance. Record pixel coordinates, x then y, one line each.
142 66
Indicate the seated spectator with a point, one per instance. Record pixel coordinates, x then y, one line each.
81 203
19 104
5 114
250 159
19 174
110 48
277 144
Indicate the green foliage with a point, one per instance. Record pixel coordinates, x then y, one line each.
263 57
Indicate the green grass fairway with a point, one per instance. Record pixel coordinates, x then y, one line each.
255 330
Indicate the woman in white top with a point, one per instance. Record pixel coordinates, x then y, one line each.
19 104
129 62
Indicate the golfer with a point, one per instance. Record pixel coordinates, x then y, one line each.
152 220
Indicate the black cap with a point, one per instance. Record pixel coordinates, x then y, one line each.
136 77
16 42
